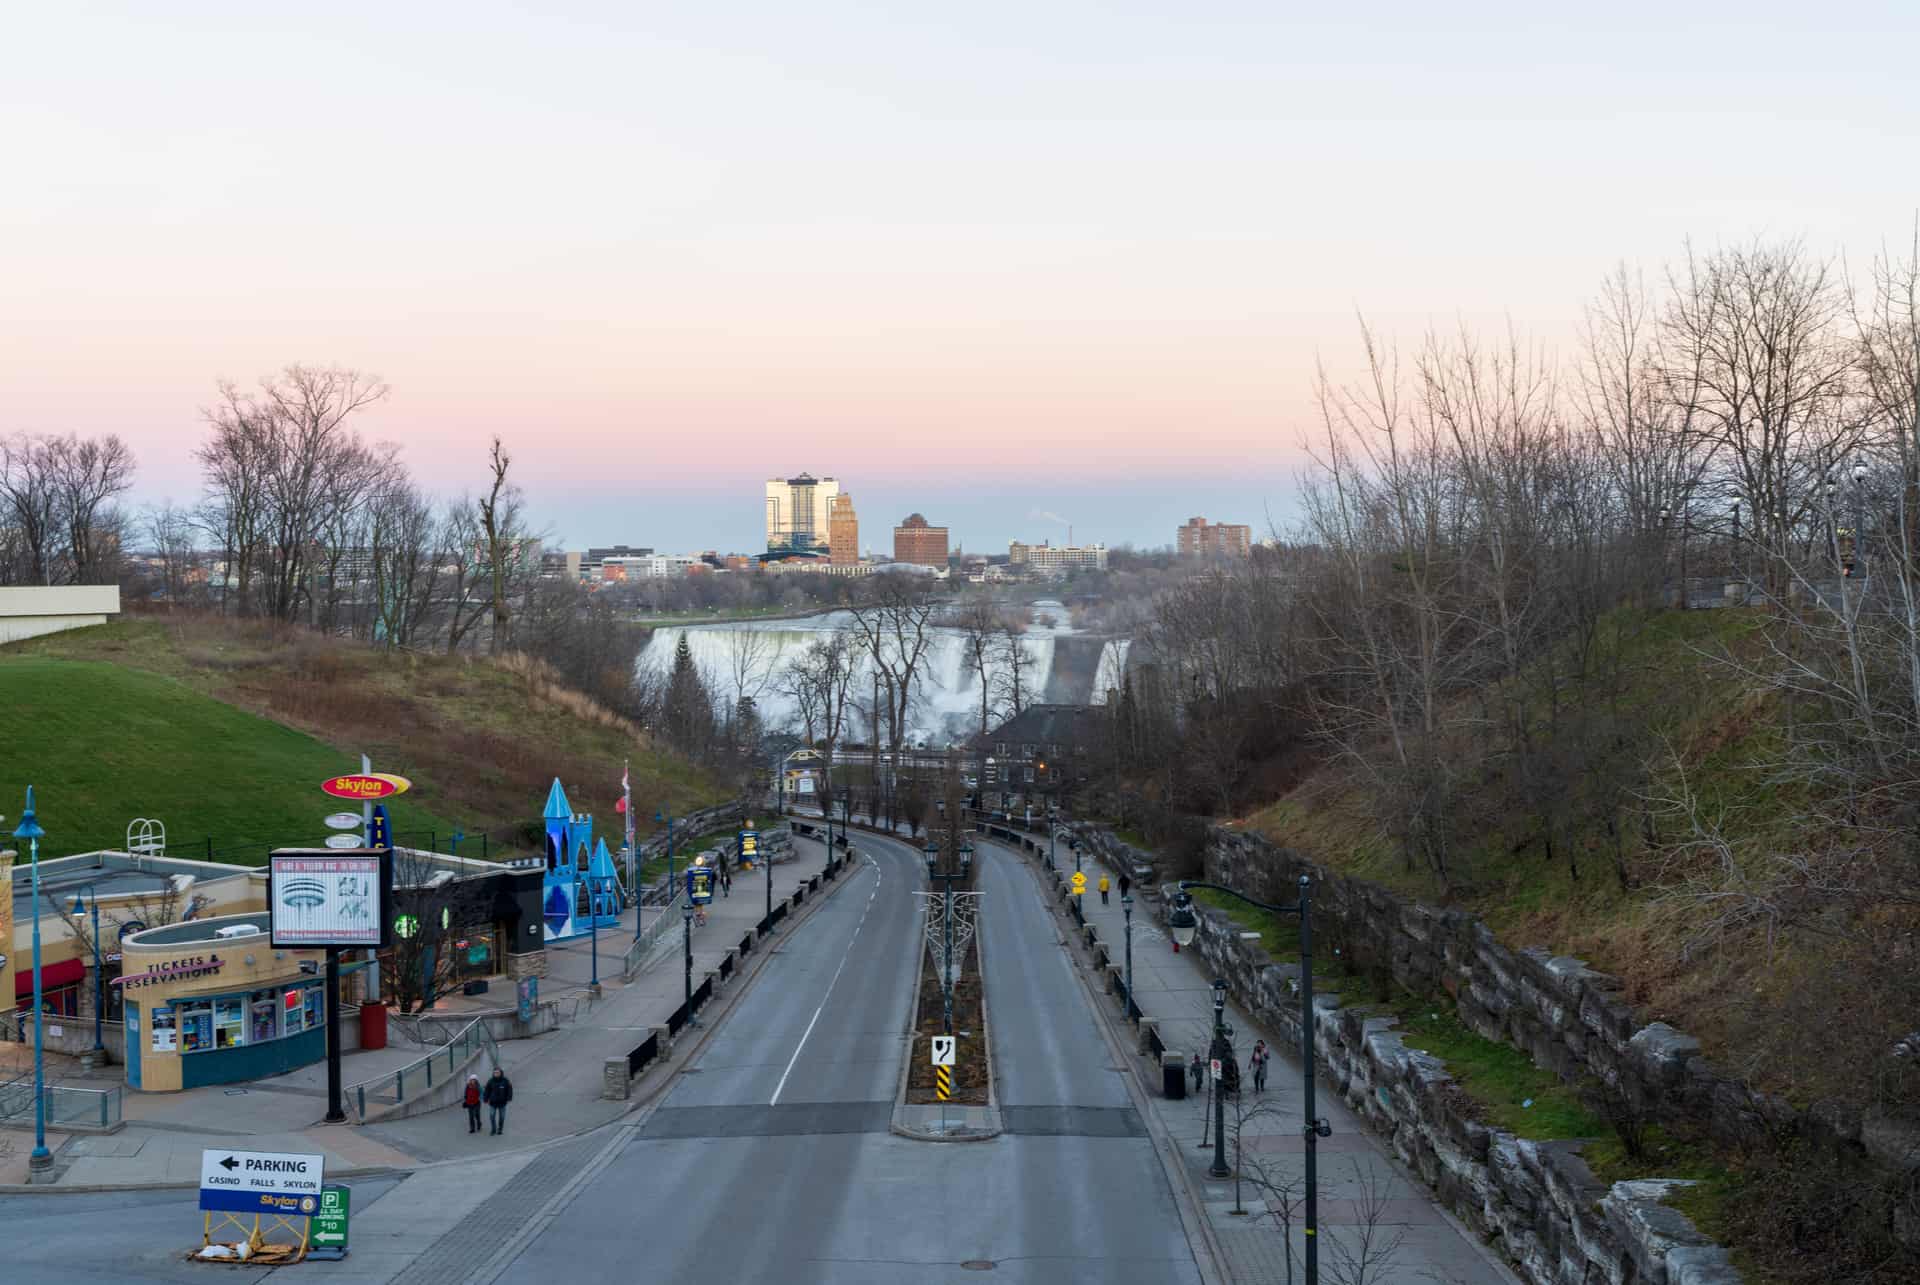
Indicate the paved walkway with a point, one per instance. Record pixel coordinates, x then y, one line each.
1363 1191
556 1077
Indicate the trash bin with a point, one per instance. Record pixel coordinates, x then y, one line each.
373 1026
1173 1074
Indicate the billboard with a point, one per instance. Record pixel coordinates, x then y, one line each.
318 897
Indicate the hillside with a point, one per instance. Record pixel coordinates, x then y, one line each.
224 730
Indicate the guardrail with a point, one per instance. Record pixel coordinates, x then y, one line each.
75 1108
390 1089
643 1055
663 923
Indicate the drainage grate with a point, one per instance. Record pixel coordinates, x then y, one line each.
978 1265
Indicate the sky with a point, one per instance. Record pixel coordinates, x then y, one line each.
999 263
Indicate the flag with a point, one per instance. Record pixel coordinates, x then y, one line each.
620 805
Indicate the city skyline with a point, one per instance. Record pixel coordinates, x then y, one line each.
1077 273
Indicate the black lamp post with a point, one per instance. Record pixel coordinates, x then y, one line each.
1183 923
686 916
99 986
1126 908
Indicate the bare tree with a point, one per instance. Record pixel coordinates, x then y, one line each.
1366 1250
501 522
1014 689
979 624
170 534
1756 359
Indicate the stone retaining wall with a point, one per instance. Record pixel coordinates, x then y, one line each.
1567 1017
1537 1203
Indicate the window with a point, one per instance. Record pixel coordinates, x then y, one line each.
263 1017
196 1026
293 1012
229 1022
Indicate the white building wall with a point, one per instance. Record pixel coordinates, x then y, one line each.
33 611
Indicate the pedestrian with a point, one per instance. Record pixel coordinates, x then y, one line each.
1103 890
472 1100
1197 1068
726 881
499 1093
1125 883
1260 1055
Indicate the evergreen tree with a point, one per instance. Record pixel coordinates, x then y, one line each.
689 710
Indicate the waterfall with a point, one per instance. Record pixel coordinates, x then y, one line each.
1064 667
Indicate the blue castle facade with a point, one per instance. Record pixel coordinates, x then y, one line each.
582 885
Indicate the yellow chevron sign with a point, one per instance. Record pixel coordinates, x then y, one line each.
943 1083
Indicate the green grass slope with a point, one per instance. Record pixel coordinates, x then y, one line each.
226 728
103 744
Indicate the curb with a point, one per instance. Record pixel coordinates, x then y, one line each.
895 1124
639 1101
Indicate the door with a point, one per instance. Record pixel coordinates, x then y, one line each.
134 1036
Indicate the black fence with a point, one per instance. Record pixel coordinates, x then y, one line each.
255 851
726 967
643 1055
746 944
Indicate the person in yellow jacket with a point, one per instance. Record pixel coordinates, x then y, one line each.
1103 890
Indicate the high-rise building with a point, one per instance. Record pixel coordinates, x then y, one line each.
916 542
843 532
1056 559
1199 538
799 511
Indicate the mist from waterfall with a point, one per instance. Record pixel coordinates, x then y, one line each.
1064 667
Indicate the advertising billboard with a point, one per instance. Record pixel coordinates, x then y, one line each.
318 897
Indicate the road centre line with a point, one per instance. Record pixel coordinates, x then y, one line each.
848 954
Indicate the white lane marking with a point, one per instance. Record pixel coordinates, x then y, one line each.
774 1101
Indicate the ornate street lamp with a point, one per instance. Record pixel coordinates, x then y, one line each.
1184 923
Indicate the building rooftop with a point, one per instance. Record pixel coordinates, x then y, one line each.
112 874
200 930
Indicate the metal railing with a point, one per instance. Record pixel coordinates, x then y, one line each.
91 1108
663 923
390 1089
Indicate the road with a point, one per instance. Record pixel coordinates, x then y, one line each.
771 1157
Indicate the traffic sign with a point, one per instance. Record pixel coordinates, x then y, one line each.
1214 1066
1079 882
261 1182
943 1082
329 1230
943 1050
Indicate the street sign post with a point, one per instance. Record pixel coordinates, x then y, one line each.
700 885
328 1237
1079 882
943 1050
1215 1068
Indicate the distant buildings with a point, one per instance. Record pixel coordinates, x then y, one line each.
1045 559
843 532
800 513
916 542
1199 538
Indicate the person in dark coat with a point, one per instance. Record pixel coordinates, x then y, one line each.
1125 884
498 1093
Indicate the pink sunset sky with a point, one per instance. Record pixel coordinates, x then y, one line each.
987 261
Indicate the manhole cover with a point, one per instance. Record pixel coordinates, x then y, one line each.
978 1265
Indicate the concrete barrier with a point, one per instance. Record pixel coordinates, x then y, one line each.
614 1082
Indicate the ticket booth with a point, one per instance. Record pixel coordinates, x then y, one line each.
212 1002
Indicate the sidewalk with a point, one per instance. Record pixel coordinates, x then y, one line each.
557 1077
1357 1174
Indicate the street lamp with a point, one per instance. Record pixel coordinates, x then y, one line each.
41 1159
667 816
686 912
1126 908
593 929
1183 923
99 985
1220 1052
